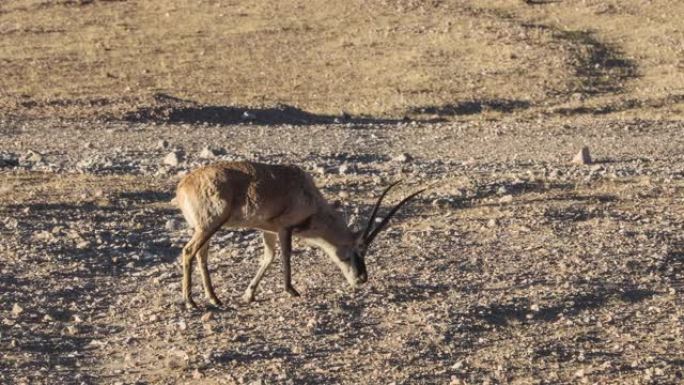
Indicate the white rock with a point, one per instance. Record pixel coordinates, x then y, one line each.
582 157
16 309
33 157
173 158
506 199
403 158
208 153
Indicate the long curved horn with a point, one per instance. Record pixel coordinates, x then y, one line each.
371 219
387 218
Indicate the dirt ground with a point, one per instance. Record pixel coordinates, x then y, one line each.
516 266
433 59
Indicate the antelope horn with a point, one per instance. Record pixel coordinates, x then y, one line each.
387 218
371 219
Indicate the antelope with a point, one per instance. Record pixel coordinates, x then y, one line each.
280 200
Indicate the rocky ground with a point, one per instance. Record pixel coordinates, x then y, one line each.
516 267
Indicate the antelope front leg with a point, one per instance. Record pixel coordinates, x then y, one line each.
285 237
269 251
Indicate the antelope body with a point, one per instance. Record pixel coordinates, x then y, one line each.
279 200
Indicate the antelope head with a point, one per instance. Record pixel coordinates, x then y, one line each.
348 248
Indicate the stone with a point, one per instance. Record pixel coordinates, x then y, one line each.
506 199
162 144
34 157
403 158
173 158
17 310
582 157
206 317
208 153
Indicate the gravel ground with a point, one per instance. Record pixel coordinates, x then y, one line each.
516 267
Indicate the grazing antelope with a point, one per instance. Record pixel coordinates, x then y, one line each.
279 200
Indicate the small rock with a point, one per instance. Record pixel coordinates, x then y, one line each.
16 309
173 158
582 157
206 317
403 158
95 344
162 144
492 223
246 115
208 153
32 157
506 199
502 190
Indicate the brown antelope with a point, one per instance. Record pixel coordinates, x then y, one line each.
279 200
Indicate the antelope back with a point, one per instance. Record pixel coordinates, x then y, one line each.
248 194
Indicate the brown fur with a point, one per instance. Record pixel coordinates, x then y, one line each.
276 199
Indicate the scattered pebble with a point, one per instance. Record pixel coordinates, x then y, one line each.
173 158
582 157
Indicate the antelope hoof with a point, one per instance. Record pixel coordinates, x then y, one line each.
215 302
248 297
190 304
292 292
